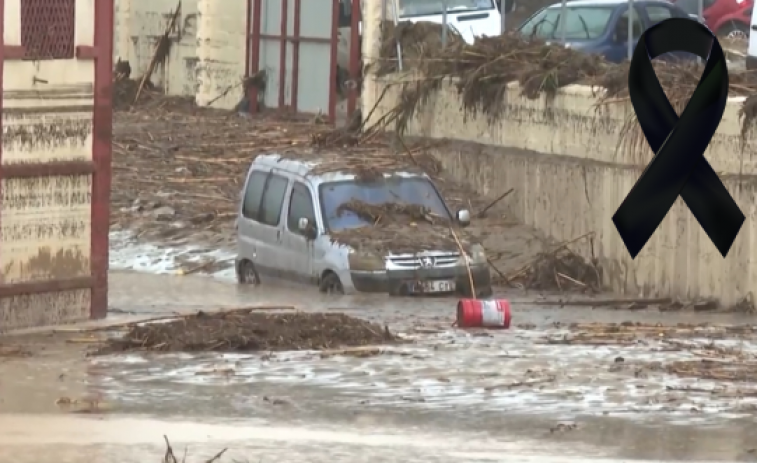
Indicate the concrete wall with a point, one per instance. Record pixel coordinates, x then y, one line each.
207 55
571 172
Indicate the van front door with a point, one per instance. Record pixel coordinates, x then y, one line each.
260 225
298 248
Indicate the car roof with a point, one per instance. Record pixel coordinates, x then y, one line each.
339 165
608 3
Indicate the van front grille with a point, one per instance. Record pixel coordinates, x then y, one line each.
448 260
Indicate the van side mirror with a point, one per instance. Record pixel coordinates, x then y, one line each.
463 217
307 228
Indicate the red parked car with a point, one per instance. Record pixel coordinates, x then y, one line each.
726 18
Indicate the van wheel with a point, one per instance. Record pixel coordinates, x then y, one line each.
247 274
733 30
330 284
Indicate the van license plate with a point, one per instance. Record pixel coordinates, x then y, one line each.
437 286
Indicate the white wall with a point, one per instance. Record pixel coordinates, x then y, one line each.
139 24
221 50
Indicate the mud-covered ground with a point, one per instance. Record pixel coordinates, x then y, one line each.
545 387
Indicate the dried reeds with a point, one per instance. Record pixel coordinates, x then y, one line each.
482 72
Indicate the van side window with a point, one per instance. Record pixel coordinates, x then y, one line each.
253 195
273 199
300 206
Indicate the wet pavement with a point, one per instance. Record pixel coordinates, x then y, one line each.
451 395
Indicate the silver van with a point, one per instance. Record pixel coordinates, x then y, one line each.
289 208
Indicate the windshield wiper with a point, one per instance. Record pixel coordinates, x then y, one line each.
539 24
586 28
583 23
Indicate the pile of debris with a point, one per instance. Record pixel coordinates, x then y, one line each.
128 96
396 227
729 370
482 71
396 212
179 171
250 329
723 353
559 270
178 174
418 41
629 333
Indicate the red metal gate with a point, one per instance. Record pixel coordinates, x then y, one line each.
290 13
55 160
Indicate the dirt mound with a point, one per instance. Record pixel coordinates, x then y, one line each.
250 330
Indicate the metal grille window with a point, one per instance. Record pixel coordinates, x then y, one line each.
48 29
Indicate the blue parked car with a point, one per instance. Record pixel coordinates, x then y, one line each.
600 26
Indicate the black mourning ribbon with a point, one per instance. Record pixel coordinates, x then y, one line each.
679 166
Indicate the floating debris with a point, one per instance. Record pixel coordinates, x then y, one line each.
249 330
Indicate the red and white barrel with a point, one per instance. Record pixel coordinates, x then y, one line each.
474 313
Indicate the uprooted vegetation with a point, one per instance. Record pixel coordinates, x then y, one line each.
397 227
484 71
250 329
560 269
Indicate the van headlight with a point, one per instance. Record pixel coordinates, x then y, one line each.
366 262
477 254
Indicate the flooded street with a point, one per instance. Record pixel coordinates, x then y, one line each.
450 395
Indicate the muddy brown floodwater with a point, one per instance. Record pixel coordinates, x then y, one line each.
451 395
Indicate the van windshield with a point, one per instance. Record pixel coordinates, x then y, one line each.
409 190
410 8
